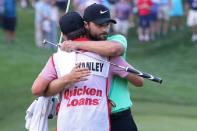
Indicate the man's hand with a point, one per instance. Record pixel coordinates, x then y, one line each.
78 74
104 48
68 46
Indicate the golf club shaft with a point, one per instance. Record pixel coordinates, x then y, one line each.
127 69
51 43
67 8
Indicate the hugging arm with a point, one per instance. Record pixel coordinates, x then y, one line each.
42 81
76 75
114 46
104 48
48 84
132 78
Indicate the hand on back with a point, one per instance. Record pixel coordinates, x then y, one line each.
78 74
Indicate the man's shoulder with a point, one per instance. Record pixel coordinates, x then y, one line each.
118 38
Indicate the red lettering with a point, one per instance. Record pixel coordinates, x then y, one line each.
68 105
70 93
81 101
99 93
88 101
84 91
66 94
79 92
95 102
74 102
75 91
92 92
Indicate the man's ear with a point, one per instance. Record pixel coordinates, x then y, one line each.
86 25
65 37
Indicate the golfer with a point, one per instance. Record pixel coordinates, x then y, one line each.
97 20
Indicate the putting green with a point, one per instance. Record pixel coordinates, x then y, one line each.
165 117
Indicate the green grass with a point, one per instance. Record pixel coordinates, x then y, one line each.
152 116
173 59
20 64
170 106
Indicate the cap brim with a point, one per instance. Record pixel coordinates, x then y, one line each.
103 21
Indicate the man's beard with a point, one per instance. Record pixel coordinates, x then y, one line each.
97 37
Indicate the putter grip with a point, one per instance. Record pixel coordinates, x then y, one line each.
144 75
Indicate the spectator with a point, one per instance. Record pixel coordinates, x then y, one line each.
154 23
1 12
144 11
111 7
80 5
9 20
77 5
164 16
42 21
24 3
33 2
61 4
192 17
105 3
176 14
123 15
54 22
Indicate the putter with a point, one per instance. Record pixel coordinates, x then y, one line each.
45 42
127 69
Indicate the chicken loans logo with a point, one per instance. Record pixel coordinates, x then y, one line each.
86 96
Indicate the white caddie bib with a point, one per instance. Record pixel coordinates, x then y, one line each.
84 106
64 62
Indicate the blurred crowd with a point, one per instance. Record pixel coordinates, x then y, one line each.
153 19
8 19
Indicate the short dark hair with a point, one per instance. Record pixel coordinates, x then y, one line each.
76 34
